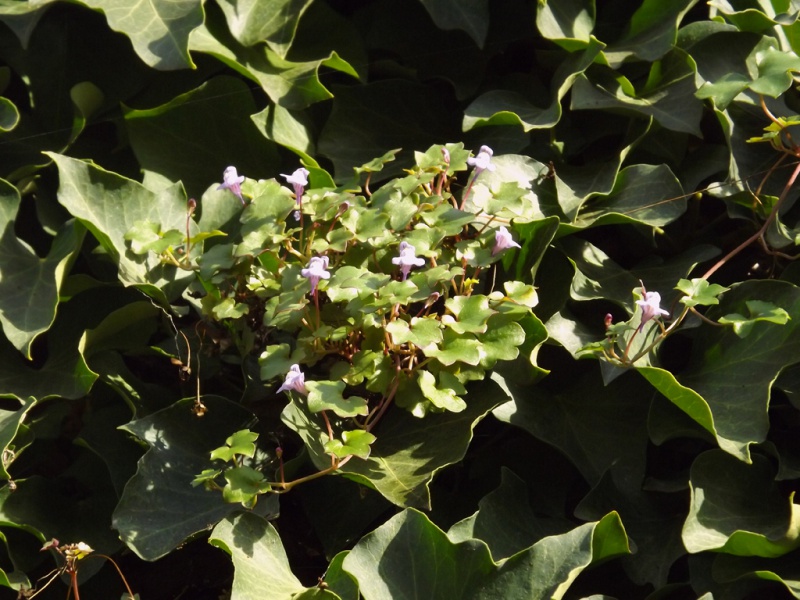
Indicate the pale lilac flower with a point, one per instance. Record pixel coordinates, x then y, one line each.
503 240
446 155
483 161
407 259
316 270
650 307
295 380
299 181
232 181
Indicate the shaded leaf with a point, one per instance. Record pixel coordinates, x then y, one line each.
261 567
159 30
470 16
159 508
738 508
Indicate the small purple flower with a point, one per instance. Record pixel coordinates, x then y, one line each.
232 181
299 180
295 380
407 259
316 270
503 240
446 155
650 307
483 161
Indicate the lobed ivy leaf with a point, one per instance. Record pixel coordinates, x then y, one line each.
739 509
442 396
699 292
159 30
29 285
465 569
260 562
240 443
356 443
159 508
244 485
759 311
327 395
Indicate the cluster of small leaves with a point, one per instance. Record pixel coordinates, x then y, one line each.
148 336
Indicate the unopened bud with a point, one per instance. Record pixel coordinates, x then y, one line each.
446 155
608 320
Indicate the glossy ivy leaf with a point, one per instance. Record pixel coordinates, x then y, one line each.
240 443
327 395
339 581
472 16
506 107
261 566
385 106
159 508
408 452
642 193
506 521
159 30
210 127
146 236
293 85
29 285
727 391
758 311
109 205
651 33
699 292
465 569
288 128
569 23
739 509
356 442
750 18
669 99
593 425
271 21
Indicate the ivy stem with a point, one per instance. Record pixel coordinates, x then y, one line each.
285 487
761 231
370 423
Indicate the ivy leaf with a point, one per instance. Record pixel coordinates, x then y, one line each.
159 30
240 443
244 486
327 395
159 508
355 442
270 21
699 292
261 568
759 311
472 313
470 16
423 332
29 285
442 396
739 509
109 205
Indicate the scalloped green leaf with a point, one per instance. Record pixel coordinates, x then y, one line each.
327 395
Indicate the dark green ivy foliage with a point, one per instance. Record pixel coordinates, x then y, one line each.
604 405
